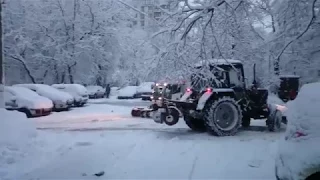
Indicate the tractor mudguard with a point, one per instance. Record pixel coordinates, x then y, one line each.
203 100
208 94
185 96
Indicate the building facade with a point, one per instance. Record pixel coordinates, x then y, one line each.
150 12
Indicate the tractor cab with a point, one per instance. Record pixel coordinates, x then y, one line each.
218 73
289 87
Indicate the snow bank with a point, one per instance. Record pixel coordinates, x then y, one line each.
16 134
299 153
304 110
128 91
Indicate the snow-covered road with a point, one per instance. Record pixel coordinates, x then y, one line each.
104 137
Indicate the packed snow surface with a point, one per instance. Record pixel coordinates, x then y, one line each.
26 98
105 138
16 137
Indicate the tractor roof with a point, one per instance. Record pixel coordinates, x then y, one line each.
217 62
288 76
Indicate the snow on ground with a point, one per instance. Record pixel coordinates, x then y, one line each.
122 102
104 137
161 155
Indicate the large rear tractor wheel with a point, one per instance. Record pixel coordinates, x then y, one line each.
173 116
195 124
223 117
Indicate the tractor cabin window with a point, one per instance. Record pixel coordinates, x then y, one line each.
235 78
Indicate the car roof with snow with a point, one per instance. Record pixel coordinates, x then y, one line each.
47 91
21 91
217 62
72 87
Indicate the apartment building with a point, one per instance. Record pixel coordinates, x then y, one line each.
153 11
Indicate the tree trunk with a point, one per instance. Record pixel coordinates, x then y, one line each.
1 63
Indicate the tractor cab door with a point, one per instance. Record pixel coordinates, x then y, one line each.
236 81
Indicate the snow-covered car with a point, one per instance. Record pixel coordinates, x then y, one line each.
127 92
114 91
79 92
96 92
26 101
298 156
144 90
61 100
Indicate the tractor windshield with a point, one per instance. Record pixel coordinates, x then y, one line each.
216 79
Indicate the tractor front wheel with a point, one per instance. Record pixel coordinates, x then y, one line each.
223 116
274 119
172 117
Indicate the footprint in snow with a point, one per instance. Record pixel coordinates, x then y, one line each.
255 163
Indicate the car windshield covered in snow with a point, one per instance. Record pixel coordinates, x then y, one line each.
21 91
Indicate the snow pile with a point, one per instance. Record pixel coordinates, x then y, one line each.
145 87
304 110
16 134
27 98
301 152
128 91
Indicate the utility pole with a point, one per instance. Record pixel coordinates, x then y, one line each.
1 61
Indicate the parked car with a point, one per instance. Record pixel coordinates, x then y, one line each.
95 92
127 92
114 91
79 92
61 100
26 101
144 91
299 150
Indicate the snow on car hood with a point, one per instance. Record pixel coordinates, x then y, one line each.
49 92
35 102
26 98
128 91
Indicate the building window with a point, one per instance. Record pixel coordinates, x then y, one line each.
142 23
319 73
157 15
